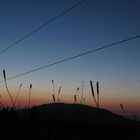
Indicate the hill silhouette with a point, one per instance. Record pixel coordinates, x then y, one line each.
73 113
66 121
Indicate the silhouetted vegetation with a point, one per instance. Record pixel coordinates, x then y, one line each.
64 121
5 80
40 125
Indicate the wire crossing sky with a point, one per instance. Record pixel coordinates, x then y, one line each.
42 26
74 57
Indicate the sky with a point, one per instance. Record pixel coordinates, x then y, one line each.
93 24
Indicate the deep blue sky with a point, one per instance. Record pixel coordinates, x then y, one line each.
93 24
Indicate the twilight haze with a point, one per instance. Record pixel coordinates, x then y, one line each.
92 24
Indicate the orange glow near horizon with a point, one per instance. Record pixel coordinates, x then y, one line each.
108 99
111 104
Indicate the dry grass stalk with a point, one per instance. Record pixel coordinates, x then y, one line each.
18 93
29 95
75 100
53 87
97 85
125 114
53 97
4 75
53 91
58 99
92 90
75 96
82 92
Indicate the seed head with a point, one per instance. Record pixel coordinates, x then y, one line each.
97 84
4 74
30 86
121 106
92 90
53 97
59 90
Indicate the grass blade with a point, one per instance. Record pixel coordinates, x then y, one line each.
97 85
75 100
82 92
75 96
125 114
29 95
53 87
4 75
18 93
53 97
92 90
59 94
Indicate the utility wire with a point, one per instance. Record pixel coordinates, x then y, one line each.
42 26
74 57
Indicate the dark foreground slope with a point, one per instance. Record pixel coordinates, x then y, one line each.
66 122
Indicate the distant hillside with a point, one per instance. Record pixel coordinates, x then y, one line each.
73 113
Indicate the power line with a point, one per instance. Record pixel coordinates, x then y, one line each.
42 26
73 57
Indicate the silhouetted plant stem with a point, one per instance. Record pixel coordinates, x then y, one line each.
53 91
97 85
18 93
125 114
75 96
53 97
82 92
4 75
58 99
29 95
53 87
75 99
92 90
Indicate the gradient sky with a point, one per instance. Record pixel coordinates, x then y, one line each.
93 24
